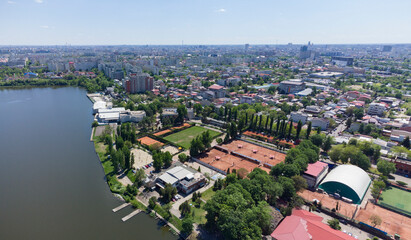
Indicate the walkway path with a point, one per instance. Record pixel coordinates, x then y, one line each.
135 212
121 207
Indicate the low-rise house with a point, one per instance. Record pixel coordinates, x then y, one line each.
299 116
132 116
322 123
184 180
315 173
313 109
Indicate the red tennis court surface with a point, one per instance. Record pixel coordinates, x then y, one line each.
264 155
149 141
392 223
345 209
224 160
169 130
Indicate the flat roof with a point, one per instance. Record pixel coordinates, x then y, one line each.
314 169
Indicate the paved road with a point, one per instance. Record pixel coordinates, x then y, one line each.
340 128
174 209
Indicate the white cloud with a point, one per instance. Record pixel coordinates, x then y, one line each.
45 26
11 2
38 1
221 10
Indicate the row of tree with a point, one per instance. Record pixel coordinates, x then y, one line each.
200 143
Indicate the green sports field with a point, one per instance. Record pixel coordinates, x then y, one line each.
397 199
183 138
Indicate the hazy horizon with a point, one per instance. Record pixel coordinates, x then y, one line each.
196 22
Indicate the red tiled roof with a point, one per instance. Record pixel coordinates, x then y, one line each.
314 169
215 87
306 225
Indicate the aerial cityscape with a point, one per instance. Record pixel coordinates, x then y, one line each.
204 129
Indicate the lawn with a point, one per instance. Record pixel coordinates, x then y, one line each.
183 138
199 213
396 198
207 194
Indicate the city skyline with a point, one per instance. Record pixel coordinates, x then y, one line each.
202 23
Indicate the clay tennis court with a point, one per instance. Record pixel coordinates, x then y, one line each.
219 158
169 130
162 132
225 161
264 155
345 209
392 223
149 141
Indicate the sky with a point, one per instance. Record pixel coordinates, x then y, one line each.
170 22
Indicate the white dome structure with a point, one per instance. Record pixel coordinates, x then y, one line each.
348 181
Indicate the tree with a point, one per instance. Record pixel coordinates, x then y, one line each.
288 188
140 176
94 124
299 182
349 122
187 225
290 129
376 220
359 113
377 187
168 192
185 208
127 157
182 157
182 112
157 163
317 139
334 223
385 167
335 153
233 212
167 159
327 143
152 202
406 142
308 130
299 126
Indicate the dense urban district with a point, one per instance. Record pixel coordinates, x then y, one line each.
245 142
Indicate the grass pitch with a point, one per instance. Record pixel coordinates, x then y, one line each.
396 198
183 138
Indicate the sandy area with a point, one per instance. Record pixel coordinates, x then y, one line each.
391 222
345 209
141 158
124 180
171 149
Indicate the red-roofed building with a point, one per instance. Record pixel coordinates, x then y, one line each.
304 225
219 91
315 173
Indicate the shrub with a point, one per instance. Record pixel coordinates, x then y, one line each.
401 183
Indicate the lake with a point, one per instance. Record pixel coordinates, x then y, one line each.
51 181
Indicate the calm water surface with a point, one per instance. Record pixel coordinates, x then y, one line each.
51 182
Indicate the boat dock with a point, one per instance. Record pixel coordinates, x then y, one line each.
121 207
131 215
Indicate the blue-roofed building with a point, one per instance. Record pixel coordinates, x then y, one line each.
30 75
